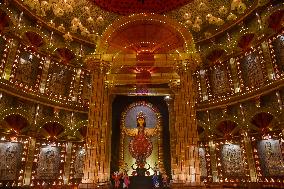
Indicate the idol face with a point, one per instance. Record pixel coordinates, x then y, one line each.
140 121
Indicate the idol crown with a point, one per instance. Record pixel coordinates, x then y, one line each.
141 115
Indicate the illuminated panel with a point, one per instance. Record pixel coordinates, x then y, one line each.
271 159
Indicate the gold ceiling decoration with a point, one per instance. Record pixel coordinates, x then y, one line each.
82 18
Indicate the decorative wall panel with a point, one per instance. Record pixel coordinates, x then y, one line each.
220 80
277 50
48 163
251 66
271 159
59 80
232 161
10 160
27 68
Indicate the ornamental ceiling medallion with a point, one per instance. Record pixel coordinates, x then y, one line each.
227 127
263 121
245 41
52 129
215 55
34 39
65 55
16 122
126 7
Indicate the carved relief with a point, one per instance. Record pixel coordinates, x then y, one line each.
252 71
10 159
220 81
232 160
59 80
271 159
28 69
48 163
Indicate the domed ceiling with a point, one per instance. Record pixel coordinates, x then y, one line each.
144 36
88 19
126 7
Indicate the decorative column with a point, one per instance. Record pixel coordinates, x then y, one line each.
250 158
169 102
29 161
185 158
97 159
67 164
248 144
268 61
213 160
212 150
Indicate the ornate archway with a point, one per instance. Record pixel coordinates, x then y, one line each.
154 19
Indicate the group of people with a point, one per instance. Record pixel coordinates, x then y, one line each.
117 177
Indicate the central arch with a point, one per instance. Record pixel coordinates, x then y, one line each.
155 20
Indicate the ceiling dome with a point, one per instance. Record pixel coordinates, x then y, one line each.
145 36
126 7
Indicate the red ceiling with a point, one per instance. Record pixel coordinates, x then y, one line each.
126 7
145 36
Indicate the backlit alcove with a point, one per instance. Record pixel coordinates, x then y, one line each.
124 117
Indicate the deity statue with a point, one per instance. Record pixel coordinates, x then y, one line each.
140 146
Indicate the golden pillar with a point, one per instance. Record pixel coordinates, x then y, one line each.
213 160
29 161
250 158
185 159
97 159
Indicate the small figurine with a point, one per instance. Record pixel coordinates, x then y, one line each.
155 180
165 180
126 180
116 176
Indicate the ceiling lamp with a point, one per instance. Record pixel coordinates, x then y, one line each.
126 7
